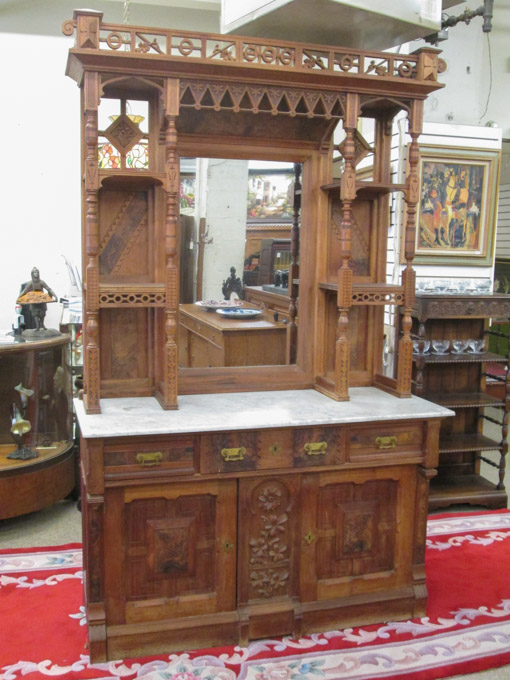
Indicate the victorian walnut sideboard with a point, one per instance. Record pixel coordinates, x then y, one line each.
224 503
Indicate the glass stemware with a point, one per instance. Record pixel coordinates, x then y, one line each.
460 346
440 346
477 346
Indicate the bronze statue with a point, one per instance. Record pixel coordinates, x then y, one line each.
34 295
232 285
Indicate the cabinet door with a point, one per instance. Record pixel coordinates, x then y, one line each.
357 532
170 550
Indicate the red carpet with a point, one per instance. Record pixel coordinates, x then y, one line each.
467 628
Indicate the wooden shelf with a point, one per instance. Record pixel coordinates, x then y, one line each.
463 399
464 358
130 179
467 442
448 490
366 189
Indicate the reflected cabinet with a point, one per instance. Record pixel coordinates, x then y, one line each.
313 516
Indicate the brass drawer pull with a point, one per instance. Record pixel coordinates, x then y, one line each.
316 448
231 455
148 459
386 442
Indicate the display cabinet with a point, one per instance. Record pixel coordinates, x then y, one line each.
307 443
457 379
37 466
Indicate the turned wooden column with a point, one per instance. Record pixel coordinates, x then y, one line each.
91 353
411 197
344 294
170 362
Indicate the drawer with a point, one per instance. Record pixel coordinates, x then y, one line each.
228 452
319 446
243 451
386 442
272 449
201 329
147 457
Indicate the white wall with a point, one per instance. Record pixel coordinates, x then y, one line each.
227 196
469 54
39 173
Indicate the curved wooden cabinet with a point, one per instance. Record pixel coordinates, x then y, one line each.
36 380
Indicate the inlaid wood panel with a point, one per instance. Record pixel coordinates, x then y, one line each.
349 532
362 234
124 235
126 351
176 551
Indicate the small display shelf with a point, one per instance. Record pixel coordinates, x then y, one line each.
458 381
35 424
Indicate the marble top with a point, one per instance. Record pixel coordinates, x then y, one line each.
130 416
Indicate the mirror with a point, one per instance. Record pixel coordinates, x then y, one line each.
235 257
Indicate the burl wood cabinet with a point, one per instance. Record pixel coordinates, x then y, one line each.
284 497
275 513
457 380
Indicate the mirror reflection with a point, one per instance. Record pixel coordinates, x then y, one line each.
235 263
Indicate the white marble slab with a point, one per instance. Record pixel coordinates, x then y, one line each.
249 410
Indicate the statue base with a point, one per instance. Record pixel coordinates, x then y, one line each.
40 333
23 453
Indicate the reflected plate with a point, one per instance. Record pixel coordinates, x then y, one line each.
219 304
239 313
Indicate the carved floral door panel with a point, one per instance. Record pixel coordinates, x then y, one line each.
269 552
356 532
176 554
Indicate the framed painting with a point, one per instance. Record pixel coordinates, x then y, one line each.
456 217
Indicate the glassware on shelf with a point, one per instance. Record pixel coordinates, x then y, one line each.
477 346
460 346
482 286
440 346
463 285
442 285
422 285
416 346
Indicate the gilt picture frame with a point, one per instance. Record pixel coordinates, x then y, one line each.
456 216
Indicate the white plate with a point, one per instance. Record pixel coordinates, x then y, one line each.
239 313
219 304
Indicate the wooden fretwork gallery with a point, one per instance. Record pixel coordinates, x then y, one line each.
224 503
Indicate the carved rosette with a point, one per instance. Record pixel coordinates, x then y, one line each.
270 542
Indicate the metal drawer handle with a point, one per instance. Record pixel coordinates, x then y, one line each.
148 459
231 455
386 442
316 448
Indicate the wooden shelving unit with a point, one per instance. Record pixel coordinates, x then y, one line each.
458 382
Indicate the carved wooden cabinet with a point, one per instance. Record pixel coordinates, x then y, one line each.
458 381
221 531
236 517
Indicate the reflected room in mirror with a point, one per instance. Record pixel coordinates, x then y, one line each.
238 262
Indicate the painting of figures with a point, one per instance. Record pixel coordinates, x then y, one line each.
456 208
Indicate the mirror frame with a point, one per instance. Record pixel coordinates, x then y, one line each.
316 170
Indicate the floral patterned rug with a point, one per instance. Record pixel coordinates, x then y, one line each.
467 627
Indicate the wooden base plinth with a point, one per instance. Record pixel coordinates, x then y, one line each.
448 490
252 622
36 483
